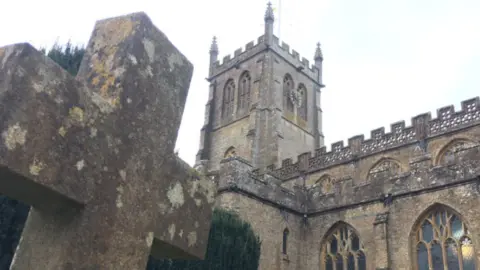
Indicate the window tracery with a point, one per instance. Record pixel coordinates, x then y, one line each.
447 155
303 108
228 99
326 184
343 250
443 241
244 89
287 89
385 168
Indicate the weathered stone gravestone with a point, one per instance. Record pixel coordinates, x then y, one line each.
94 155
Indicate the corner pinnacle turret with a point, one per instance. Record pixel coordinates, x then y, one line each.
269 13
318 53
214 46
213 55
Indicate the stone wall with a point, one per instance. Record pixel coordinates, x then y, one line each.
232 135
403 215
294 140
380 191
269 223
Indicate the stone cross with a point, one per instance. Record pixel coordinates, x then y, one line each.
93 155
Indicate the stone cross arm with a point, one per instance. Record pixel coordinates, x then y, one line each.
94 157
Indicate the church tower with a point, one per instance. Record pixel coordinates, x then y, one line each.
263 104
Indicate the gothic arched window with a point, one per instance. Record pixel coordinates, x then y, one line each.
342 250
303 108
285 241
442 241
326 183
447 154
228 99
244 89
287 88
385 168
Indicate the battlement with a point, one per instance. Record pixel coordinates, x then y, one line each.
422 177
251 49
240 55
237 175
422 128
300 63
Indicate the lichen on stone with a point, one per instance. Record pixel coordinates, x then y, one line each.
62 131
103 75
192 238
149 49
14 136
149 239
174 60
123 174
118 201
80 164
93 132
36 167
175 195
171 231
76 114
162 208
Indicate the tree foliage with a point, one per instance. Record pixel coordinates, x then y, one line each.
232 245
68 56
232 242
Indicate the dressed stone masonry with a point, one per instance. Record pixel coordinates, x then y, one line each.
94 157
363 205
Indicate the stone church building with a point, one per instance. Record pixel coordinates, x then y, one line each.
404 199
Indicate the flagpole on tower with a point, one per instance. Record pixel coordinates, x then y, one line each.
279 15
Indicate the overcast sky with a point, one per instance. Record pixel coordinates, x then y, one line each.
385 61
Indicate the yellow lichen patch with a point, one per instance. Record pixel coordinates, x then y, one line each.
117 29
14 135
109 80
76 113
36 167
96 81
2 52
110 34
62 131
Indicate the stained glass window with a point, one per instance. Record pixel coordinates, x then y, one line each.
442 241
343 250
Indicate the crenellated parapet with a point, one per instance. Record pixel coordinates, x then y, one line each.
237 175
293 57
423 128
242 54
421 178
251 49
